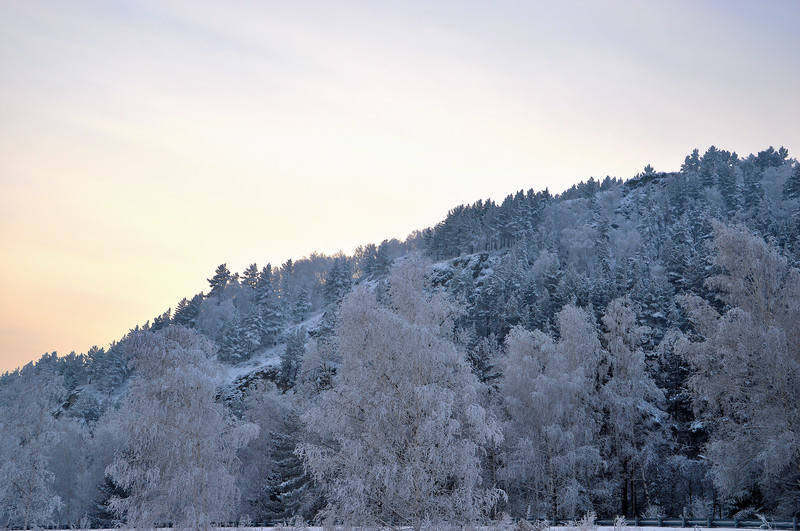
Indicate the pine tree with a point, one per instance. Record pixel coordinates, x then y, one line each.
708 167
726 181
339 280
187 311
290 488
250 276
232 348
101 515
219 281
272 316
769 158
161 321
791 189
630 398
252 327
303 306
752 191
291 357
692 162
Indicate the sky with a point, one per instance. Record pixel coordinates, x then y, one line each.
144 143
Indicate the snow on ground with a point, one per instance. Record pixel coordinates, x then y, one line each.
509 527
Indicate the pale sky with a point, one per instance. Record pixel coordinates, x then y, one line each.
144 143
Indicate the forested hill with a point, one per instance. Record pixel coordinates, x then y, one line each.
630 347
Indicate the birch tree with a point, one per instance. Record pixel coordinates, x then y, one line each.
551 391
747 370
179 461
400 433
29 433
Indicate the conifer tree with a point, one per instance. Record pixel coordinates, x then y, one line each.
187 311
232 347
219 281
290 488
629 396
250 276
291 357
726 181
692 162
791 189
303 305
252 327
339 280
272 315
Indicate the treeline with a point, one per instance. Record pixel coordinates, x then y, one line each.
629 348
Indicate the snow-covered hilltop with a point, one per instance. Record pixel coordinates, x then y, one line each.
628 348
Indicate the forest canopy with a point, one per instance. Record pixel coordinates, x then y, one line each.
626 347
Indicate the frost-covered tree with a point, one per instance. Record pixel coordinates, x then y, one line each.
70 462
290 488
747 371
268 304
275 485
219 281
232 346
265 406
292 356
552 460
179 461
252 326
29 433
401 432
303 305
692 162
187 311
250 276
339 279
632 428
791 189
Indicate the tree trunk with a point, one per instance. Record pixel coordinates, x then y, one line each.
625 489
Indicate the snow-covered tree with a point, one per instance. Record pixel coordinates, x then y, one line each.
553 460
747 370
252 326
232 346
791 189
275 485
70 462
187 311
29 433
250 276
292 356
220 279
632 428
401 432
339 279
179 462
265 406
272 314
303 305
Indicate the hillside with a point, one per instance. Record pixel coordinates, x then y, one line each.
627 347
